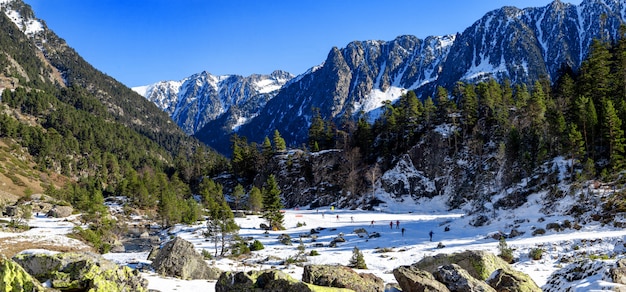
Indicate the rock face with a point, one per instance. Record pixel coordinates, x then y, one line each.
479 264
341 277
179 259
14 278
267 280
80 272
458 279
412 279
512 281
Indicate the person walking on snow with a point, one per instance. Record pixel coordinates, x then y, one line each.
431 235
391 225
402 231
397 224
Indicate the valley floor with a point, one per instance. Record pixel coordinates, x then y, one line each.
382 254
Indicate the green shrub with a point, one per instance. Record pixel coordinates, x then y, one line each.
314 253
239 247
300 224
357 261
207 255
256 245
536 253
506 253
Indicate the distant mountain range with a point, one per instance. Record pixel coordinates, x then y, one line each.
521 45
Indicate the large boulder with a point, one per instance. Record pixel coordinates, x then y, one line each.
412 279
60 211
14 278
618 273
178 258
80 272
479 264
512 281
266 280
459 280
341 277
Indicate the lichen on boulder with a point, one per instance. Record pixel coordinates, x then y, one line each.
80 272
458 279
266 280
512 281
479 264
412 279
341 277
14 278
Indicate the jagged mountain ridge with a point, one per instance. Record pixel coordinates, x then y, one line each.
521 45
201 98
517 44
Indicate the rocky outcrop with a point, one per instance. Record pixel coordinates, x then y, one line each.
458 279
479 264
60 211
267 280
14 278
341 277
587 272
512 281
448 272
178 258
412 279
80 272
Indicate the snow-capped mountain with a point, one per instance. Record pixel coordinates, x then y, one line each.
521 45
201 98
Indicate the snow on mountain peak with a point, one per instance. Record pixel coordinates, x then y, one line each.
204 97
26 23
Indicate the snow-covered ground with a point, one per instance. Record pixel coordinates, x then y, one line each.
591 239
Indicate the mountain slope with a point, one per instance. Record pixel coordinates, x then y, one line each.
57 64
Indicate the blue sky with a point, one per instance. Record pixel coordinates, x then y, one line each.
139 42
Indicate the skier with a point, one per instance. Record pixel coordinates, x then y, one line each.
431 235
372 224
337 217
403 231
391 225
352 219
397 224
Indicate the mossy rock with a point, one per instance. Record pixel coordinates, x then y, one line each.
14 278
412 279
479 264
512 281
266 280
341 277
81 272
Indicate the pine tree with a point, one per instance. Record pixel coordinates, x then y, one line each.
429 109
576 145
272 204
279 142
357 261
266 148
255 200
238 193
615 135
